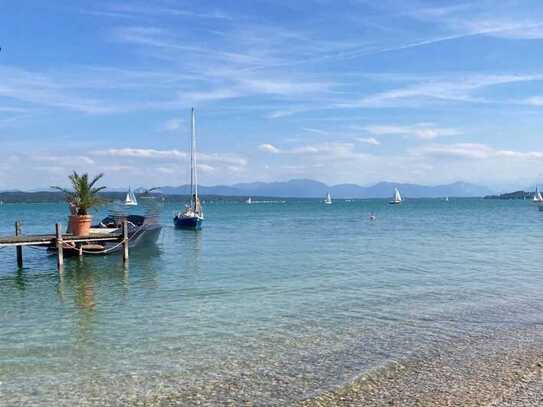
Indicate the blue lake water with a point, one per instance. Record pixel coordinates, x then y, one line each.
268 303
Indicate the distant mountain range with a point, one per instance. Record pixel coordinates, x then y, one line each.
306 188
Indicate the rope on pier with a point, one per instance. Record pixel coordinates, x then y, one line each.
105 251
72 246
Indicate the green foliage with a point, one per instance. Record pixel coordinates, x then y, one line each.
84 195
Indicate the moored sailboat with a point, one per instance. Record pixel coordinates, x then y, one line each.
130 199
328 199
397 198
193 215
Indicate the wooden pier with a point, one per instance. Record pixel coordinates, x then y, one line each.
60 242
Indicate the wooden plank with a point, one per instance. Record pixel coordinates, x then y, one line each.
60 248
19 249
9 239
125 241
45 240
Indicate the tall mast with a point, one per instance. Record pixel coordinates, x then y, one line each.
193 173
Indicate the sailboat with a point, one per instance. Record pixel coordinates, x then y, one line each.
328 199
538 198
397 198
193 215
249 201
130 199
446 199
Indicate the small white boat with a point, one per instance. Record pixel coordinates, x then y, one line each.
249 201
328 199
446 199
397 198
130 199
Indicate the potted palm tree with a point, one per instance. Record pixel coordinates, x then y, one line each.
81 199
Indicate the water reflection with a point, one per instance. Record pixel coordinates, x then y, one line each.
20 279
192 248
83 282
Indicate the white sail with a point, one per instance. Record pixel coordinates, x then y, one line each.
130 199
397 197
537 196
328 199
133 198
249 201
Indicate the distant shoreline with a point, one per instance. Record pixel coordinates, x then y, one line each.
57 197
520 195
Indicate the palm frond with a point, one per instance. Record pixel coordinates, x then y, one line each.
84 195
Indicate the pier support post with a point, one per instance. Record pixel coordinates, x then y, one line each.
60 248
125 241
19 249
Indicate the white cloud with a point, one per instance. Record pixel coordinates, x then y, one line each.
326 151
154 154
277 114
459 89
172 124
142 9
474 151
283 87
269 148
67 160
205 168
316 131
141 153
369 140
473 19
209 95
421 131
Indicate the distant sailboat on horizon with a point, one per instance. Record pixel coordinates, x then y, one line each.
130 199
328 199
249 201
537 196
397 198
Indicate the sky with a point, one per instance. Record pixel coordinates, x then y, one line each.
352 91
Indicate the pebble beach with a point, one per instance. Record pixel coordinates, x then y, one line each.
502 370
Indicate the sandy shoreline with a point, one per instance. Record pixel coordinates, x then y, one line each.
499 371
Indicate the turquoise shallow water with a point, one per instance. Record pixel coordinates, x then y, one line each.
268 303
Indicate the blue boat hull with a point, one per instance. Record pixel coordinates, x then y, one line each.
187 223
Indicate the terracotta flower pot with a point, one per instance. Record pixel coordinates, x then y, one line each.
80 225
